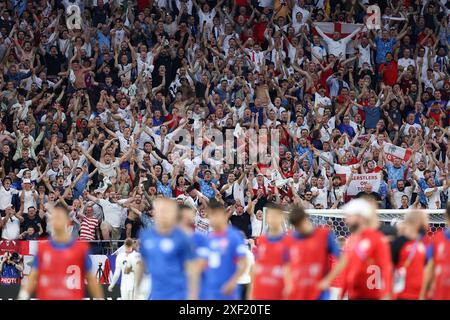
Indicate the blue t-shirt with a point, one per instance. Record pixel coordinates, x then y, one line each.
395 174
224 249
302 150
373 114
383 47
201 252
206 188
347 129
164 257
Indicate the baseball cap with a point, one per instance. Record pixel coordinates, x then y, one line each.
358 207
26 181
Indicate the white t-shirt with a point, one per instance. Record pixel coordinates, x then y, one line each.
201 224
126 262
22 110
364 55
257 226
11 230
113 212
405 63
6 197
246 278
399 194
206 17
436 196
322 197
108 170
28 200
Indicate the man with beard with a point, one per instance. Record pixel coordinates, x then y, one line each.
368 269
397 194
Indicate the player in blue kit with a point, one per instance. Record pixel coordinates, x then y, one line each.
200 242
168 256
226 256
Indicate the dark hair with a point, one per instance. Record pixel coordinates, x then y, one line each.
215 205
129 242
183 206
63 208
274 206
448 211
297 215
7 178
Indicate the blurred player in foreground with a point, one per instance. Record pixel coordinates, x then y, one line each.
199 241
308 259
126 265
368 265
167 255
271 256
61 265
437 272
226 256
409 256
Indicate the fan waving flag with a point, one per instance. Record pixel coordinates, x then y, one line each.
331 27
393 151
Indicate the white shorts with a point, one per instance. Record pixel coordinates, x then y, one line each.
335 293
127 294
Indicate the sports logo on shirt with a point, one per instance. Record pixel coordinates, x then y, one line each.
166 245
314 269
364 245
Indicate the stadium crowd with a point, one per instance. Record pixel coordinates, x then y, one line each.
92 114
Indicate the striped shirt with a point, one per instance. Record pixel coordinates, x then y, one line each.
87 231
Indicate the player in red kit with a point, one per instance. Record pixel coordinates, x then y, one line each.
437 272
61 265
308 259
271 254
409 256
368 268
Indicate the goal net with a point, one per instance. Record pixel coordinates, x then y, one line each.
335 219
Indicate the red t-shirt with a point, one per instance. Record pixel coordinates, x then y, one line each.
441 258
258 31
412 258
61 271
369 270
390 74
270 258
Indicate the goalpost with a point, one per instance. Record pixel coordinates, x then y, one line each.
335 219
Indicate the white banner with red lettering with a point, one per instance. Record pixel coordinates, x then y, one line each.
360 180
392 152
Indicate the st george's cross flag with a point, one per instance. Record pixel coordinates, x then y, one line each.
393 151
331 27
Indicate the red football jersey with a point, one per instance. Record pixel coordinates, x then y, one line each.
337 282
61 270
441 258
368 274
412 259
309 263
270 258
